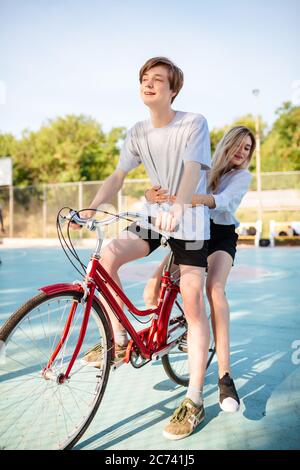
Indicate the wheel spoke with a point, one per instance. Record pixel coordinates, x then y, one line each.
176 361
40 413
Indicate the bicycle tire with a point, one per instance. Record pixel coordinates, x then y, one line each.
180 375
30 380
175 362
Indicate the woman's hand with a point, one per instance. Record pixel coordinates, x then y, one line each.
156 195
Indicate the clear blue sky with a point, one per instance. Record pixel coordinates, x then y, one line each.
83 56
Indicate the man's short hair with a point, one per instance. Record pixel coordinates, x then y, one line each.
175 73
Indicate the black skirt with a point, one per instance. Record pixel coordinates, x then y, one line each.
222 237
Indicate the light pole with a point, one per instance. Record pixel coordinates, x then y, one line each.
258 166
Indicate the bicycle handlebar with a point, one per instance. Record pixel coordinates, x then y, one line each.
92 223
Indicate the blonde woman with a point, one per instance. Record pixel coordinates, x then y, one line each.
229 180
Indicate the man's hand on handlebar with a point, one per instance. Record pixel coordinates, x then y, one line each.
86 214
168 221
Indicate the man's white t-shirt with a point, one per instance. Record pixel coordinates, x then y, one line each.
164 151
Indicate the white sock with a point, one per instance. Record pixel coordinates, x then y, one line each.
121 338
195 394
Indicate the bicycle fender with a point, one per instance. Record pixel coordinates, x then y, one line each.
56 288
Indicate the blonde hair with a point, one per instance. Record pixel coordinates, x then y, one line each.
225 151
175 74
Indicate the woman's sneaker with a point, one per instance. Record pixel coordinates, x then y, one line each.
229 400
184 420
94 356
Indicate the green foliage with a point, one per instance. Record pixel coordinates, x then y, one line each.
216 135
73 148
7 145
101 156
281 148
249 121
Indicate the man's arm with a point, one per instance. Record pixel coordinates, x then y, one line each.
188 185
167 221
109 189
105 194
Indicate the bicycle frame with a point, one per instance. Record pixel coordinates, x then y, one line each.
149 340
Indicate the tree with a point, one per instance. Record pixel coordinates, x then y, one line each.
216 135
72 148
7 145
75 148
281 148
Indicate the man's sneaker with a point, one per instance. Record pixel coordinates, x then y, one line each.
229 400
184 420
94 356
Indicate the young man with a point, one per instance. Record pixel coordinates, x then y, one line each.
174 146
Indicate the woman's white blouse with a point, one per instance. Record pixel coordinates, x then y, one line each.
232 187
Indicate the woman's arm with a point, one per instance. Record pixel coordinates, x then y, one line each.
204 200
156 195
230 197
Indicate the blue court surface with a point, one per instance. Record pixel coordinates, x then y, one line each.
264 297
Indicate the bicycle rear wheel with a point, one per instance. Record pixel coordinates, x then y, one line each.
40 413
175 362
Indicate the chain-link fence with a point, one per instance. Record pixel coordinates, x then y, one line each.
279 200
31 212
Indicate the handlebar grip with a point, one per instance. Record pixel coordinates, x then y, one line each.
74 218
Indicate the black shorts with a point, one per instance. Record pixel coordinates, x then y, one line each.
190 253
222 237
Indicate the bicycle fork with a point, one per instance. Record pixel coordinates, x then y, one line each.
47 372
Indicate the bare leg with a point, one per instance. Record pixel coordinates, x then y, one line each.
127 247
151 290
219 265
191 287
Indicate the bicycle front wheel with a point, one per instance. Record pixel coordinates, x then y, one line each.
38 412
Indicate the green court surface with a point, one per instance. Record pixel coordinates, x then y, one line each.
264 297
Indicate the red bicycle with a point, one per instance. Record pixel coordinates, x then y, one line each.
49 396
